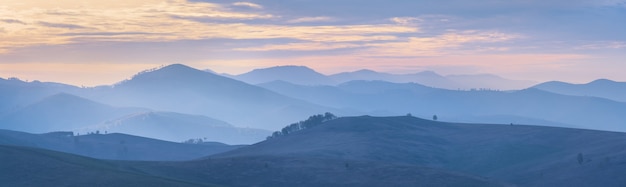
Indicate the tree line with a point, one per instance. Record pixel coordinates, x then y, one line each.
312 121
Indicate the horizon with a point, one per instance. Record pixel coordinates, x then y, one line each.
79 84
95 43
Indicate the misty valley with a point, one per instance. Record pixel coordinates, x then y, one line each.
292 126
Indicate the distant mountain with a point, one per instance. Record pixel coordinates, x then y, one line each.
113 146
294 74
432 79
599 88
182 89
23 166
488 81
428 78
15 93
525 106
178 127
65 112
517 154
61 112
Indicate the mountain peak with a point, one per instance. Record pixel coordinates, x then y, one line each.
286 68
172 68
174 73
602 81
294 74
429 73
65 98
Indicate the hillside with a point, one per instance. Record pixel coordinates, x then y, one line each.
61 112
599 88
380 151
522 155
301 171
23 166
15 93
178 127
432 79
531 106
113 146
294 74
428 78
182 89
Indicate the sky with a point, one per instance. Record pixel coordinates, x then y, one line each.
95 42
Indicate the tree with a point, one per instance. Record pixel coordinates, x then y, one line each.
312 121
580 158
434 117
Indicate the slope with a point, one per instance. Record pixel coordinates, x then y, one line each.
182 89
178 127
530 105
428 78
23 166
599 88
113 146
15 93
522 155
61 112
294 74
488 81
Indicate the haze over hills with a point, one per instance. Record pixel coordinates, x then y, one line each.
187 93
599 88
61 112
529 106
489 81
15 93
294 74
113 146
306 76
65 112
178 127
179 88
428 78
172 97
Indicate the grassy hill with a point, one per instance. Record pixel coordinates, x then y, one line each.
523 155
22 166
113 146
393 151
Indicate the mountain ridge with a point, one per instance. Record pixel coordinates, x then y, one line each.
603 88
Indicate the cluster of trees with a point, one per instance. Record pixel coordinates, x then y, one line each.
313 121
194 141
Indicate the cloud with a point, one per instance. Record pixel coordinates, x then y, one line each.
61 25
317 46
248 4
310 19
12 21
157 21
602 45
436 45
405 20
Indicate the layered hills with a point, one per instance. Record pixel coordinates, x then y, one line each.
376 151
114 146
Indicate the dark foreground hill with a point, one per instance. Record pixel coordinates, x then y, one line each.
113 146
22 166
407 151
522 155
